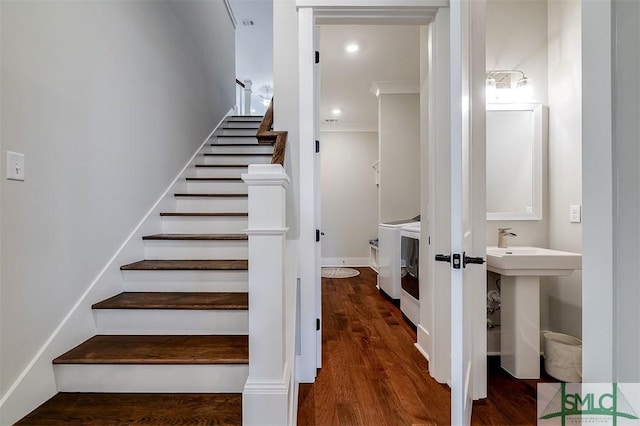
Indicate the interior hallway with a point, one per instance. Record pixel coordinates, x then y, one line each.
373 375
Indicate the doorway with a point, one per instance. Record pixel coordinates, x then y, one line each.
309 127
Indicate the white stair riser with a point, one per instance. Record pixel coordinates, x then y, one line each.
171 321
257 149
204 225
230 172
212 204
235 131
217 187
242 125
208 281
185 250
150 378
236 159
237 118
236 139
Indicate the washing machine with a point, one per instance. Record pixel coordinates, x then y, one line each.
390 266
410 283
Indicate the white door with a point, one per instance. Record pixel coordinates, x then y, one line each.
468 215
318 185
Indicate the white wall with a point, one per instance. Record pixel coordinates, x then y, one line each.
626 95
399 133
517 39
349 196
543 39
107 100
254 47
285 83
564 294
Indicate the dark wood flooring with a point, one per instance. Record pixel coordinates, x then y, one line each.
98 409
186 265
153 349
175 300
373 375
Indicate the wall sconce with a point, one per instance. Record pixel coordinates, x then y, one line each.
500 86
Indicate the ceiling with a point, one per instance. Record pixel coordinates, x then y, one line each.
388 53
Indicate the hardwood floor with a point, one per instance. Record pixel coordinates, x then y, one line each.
373 375
109 409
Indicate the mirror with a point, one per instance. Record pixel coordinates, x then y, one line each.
516 139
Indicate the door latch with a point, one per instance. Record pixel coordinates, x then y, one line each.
474 260
455 260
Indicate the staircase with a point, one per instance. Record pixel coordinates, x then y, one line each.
173 347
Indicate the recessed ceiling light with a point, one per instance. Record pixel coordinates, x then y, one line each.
336 111
352 47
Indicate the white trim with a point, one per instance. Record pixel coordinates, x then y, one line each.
266 175
394 5
348 128
232 16
346 261
133 236
394 88
422 351
373 12
270 400
275 231
309 268
598 276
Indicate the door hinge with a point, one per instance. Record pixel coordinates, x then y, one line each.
317 146
317 324
317 57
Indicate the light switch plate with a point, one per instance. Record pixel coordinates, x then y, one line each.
15 166
575 213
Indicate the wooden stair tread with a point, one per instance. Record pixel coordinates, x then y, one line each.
154 349
201 194
196 237
175 300
238 154
222 165
235 136
187 265
213 179
203 214
237 144
120 409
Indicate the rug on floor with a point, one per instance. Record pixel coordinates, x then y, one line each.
337 272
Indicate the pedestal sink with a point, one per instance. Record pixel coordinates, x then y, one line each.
521 269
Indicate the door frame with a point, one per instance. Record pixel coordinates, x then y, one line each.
310 14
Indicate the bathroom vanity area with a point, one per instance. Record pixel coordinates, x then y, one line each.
517 198
520 269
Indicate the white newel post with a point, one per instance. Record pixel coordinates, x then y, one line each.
265 395
247 96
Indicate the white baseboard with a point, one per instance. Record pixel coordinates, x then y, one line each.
36 383
345 261
424 341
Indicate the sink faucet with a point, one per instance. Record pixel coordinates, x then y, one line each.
503 233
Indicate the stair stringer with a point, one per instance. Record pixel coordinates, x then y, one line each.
36 383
